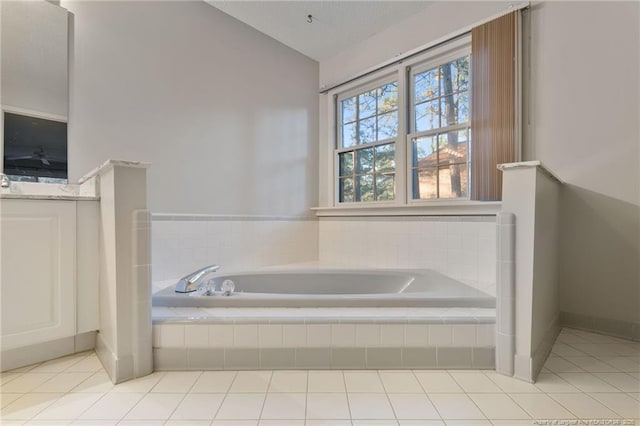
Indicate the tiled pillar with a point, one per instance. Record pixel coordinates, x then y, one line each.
505 293
123 343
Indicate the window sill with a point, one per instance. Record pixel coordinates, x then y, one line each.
434 208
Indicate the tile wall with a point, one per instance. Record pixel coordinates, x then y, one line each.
460 247
182 244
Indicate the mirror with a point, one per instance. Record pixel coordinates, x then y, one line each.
34 90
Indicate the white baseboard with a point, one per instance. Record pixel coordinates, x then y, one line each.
45 351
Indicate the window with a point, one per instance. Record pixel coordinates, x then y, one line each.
440 141
431 160
367 133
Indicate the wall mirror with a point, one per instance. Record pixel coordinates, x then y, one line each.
34 90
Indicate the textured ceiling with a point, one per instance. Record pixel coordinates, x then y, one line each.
336 24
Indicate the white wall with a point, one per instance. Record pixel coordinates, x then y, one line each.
227 116
34 56
585 96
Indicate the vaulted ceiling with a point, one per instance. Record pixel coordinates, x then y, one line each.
334 25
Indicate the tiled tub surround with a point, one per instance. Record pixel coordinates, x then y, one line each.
182 244
462 247
323 338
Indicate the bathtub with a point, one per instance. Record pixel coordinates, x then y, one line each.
334 288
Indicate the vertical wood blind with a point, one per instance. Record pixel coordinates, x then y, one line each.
493 125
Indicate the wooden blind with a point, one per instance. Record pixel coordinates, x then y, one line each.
493 126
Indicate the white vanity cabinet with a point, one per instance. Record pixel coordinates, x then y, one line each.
48 274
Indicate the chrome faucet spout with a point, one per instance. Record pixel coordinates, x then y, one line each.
192 281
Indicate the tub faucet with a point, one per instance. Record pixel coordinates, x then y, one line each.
192 281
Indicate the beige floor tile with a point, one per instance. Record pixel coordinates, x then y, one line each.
413 406
234 423
214 382
280 422
59 365
176 382
69 407
622 381
363 381
475 382
97 383
112 406
141 384
241 406
511 384
284 406
623 363
27 382
552 383
565 350
498 406
541 406
591 364
251 381
456 407
437 382
8 398
88 364
622 404
561 365
198 406
63 382
326 381
400 382
288 381
327 406
29 405
374 423
583 406
370 406
328 422
587 382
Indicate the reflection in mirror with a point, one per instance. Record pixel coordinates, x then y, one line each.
34 80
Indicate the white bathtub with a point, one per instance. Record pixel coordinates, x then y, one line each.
334 288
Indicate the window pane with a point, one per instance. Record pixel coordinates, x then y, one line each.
364 188
425 152
349 110
349 135
388 125
384 187
455 75
367 104
346 163
455 109
347 193
385 157
426 86
367 130
365 161
454 147
427 115
388 98
453 181
426 186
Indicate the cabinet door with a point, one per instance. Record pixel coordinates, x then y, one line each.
37 271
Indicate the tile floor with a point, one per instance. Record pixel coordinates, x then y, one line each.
587 376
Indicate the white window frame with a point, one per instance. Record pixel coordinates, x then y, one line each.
381 81
411 134
401 73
